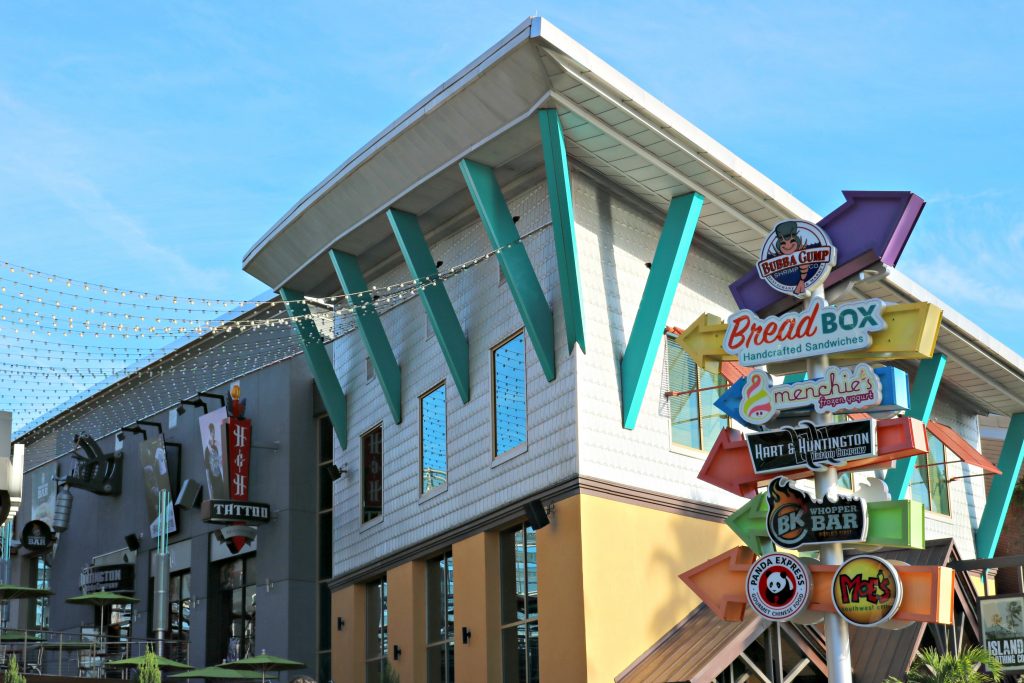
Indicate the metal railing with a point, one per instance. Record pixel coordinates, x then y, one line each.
81 655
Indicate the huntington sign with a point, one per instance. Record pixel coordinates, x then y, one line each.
811 446
231 511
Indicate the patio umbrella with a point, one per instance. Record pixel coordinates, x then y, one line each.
218 672
162 662
264 663
10 591
101 599
10 636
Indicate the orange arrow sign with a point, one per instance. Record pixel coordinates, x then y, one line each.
728 465
721 584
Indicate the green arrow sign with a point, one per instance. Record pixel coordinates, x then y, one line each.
891 523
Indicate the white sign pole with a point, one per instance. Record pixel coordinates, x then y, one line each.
837 633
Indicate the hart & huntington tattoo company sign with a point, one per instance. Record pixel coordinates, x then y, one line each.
839 389
795 518
231 511
815 331
812 446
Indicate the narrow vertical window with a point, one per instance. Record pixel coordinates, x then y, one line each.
373 473
377 631
440 620
433 439
509 386
928 484
696 422
520 661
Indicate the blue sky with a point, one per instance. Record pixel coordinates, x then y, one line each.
148 145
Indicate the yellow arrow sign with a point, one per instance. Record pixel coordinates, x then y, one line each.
910 333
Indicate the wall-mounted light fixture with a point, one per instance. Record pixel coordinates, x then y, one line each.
150 423
341 623
132 541
335 472
190 402
536 516
133 429
215 397
466 635
398 653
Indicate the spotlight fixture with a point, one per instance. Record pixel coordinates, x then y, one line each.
341 623
466 635
134 429
515 219
335 472
439 264
535 514
190 402
218 397
132 541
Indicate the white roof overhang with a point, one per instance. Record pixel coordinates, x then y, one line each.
611 125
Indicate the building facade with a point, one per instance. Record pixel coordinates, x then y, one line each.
519 498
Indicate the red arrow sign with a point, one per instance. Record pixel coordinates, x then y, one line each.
728 465
721 582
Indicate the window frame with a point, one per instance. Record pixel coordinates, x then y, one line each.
379 625
363 521
447 560
522 447
674 445
527 621
440 488
928 470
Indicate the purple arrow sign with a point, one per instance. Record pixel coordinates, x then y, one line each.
869 227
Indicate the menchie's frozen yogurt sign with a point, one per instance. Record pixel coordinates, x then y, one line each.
839 389
817 330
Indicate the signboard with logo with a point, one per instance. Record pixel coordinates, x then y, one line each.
796 257
115 578
838 389
812 446
795 518
211 435
43 492
1002 628
37 537
866 591
814 331
155 478
230 511
778 586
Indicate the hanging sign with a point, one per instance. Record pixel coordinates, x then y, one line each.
866 590
814 331
813 446
778 586
229 512
239 431
839 389
795 518
796 257
37 537
114 578
1002 628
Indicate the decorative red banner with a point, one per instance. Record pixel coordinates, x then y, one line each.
239 445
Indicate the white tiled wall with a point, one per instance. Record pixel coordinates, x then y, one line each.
488 315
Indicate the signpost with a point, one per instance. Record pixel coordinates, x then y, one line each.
866 590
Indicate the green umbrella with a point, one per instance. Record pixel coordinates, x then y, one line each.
218 672
101 599
162 662
264 663
20 637
10 591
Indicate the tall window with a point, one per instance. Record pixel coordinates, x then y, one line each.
696 422
508 363
373 473
440 620
377 630
180 611
518 577
238 602
928 484
433 439
41 611
325 545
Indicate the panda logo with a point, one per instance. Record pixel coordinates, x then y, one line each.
779 587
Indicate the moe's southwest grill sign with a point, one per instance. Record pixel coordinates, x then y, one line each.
839 389
866 591
796 257
817 330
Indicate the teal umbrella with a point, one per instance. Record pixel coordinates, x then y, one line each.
218 672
